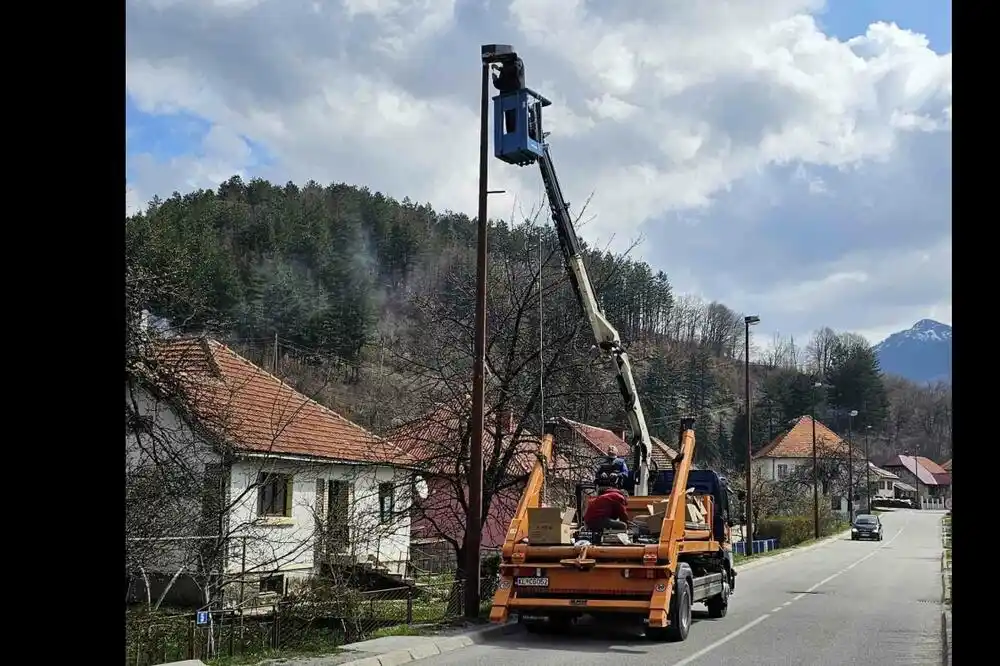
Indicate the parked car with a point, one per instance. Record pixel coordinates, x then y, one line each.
866 526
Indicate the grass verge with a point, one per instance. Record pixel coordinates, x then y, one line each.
743 559
317 649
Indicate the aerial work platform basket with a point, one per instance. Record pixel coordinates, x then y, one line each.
518 137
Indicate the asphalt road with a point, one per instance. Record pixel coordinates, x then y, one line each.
841 603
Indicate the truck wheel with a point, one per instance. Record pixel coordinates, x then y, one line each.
718 605
680 616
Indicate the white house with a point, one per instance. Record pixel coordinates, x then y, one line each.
287 486
884 482
789 457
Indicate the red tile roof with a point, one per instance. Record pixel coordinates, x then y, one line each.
797 442
433 442
927 471
601 439
664 455
254 411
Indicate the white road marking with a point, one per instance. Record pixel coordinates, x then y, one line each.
725 639
776 609
728 637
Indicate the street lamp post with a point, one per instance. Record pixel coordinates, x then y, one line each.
850 463
748 321
490 54
812 417
868 471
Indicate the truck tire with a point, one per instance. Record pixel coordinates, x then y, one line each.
679 613
718 605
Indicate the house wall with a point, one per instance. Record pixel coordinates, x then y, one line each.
885 488
776 469
442 514
166 528
286 544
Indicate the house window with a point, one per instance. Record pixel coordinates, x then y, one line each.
386 502
782 471
274 495
835 502
273 584
338 512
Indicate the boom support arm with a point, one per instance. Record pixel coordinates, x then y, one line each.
607 338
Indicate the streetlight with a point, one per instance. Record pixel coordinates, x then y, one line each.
490 54
850 463
748 321
868 471
812 417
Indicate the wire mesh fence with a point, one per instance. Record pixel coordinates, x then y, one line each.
303 624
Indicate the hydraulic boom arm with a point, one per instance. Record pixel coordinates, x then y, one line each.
607 338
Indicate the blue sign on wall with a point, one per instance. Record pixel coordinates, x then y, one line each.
201 618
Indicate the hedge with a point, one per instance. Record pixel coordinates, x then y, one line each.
793 530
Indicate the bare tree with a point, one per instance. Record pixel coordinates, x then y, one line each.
531 363
770 497
782 353
832 465
819 351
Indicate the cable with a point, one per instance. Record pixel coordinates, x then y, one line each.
541 338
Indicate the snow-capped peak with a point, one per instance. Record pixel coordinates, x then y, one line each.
920 353
930 331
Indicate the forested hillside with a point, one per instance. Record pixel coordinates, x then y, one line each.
369 304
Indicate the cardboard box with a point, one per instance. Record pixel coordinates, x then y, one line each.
550 526
657 511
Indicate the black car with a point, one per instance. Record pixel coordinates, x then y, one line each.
866 527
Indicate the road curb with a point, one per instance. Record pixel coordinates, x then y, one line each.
945 647
440 645
790 552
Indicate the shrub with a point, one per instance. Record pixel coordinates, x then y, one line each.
788 530
490 566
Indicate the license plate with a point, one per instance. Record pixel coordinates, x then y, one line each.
533 581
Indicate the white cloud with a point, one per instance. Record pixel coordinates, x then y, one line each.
759 157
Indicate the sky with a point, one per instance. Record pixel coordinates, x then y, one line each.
788 158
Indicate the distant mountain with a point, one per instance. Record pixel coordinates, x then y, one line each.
920 354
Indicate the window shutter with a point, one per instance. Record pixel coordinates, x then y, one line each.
289 486
320 504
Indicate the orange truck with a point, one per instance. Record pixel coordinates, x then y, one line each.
685 559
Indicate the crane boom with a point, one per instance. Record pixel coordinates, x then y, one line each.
607 339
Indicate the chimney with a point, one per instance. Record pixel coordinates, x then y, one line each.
623 433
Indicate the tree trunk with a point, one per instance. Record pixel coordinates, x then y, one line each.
456 596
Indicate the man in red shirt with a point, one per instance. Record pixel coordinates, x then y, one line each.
607 511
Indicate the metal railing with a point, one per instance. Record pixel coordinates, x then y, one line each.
296 624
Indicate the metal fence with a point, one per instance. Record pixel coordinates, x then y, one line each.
757 546
298 624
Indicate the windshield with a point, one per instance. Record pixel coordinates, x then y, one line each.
866 520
